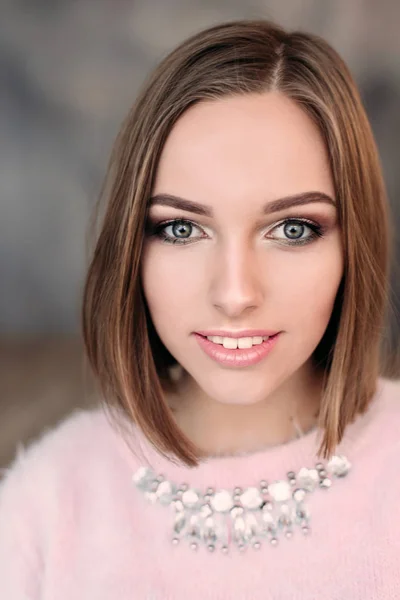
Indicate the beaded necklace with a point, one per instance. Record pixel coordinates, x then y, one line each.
240 517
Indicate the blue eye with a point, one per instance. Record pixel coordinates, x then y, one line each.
181 231
180 228
294 228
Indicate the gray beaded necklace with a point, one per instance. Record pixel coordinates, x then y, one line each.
242 517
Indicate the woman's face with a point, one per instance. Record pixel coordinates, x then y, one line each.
234 262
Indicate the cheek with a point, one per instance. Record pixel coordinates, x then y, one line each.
308 289
170 287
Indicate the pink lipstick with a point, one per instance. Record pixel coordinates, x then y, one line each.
237 357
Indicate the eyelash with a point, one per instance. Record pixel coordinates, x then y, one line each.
158 230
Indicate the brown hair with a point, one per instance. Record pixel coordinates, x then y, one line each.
128 359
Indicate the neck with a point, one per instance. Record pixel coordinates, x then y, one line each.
288 412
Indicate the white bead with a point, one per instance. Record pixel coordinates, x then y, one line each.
165 492
222 501
338 465
308 478
251 498
280 491
190 498
142 477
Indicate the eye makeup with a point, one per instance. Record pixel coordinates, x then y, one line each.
187 226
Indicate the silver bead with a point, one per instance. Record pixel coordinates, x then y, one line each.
302 513
289 534
325 483
273 541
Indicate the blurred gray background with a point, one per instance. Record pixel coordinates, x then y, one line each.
70 71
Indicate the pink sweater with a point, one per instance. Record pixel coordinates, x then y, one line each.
74 526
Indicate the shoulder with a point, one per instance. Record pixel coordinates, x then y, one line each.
376 433
73 428
380 457
383 413
42 488
387 400
59 452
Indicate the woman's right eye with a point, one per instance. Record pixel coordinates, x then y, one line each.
180 231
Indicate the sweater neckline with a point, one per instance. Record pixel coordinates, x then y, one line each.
241 469
246 469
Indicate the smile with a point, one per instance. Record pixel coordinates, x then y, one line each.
233 343
237 352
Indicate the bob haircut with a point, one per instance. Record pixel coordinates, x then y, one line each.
129 361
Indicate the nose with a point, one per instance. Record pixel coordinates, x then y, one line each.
235 282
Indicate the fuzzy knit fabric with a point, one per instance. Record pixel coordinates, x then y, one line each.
74 526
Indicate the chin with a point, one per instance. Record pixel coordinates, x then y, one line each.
244 394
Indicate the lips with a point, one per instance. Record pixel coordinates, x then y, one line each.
237 357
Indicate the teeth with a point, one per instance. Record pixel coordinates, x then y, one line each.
233 343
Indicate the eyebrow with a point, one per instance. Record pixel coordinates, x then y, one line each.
268 208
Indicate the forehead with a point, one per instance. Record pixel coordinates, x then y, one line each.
250 145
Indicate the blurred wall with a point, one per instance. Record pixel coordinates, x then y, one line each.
70 72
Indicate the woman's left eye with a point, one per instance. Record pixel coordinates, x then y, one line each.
293 230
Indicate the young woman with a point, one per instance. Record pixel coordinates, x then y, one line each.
246 440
